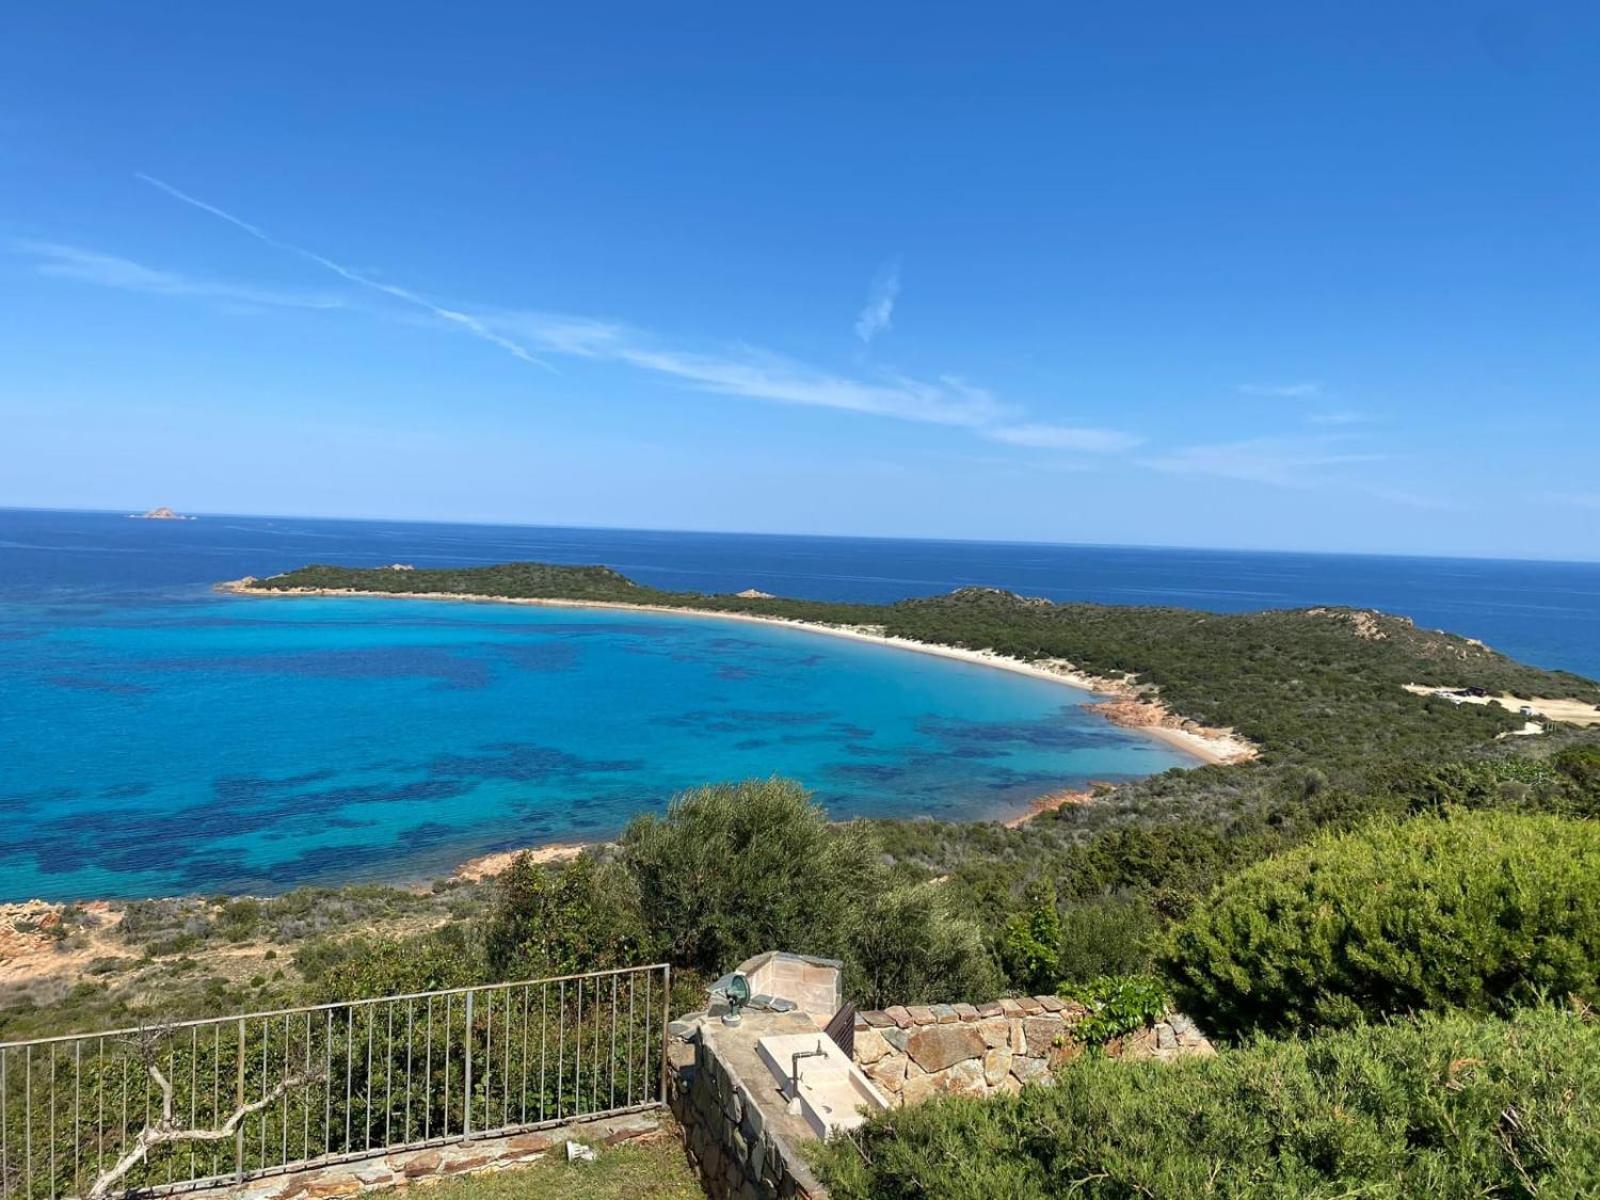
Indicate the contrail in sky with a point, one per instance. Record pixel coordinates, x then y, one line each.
465 320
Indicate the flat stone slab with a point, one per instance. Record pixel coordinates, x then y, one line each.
938 1047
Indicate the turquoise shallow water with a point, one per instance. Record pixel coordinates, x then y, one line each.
228 743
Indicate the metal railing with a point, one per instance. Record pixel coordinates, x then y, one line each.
193 1104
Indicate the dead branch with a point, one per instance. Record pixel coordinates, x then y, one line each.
166 1130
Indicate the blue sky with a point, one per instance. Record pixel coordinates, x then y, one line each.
1262 275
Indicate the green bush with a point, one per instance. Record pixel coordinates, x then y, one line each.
1581 766
1117 1004
365 967
580 916
1481 911
1447 1107
1030 944
1110 935
735 869
907 947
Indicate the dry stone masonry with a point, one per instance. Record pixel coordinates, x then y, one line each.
979 1050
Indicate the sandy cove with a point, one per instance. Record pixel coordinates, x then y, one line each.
1123 703
487 866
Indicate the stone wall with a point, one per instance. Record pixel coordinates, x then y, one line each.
737 1131
453 1158
917 1052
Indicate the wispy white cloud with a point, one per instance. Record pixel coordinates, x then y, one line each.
455 317
107 270
737 370
1282 461
1305 390
1064 437
757 374
876 317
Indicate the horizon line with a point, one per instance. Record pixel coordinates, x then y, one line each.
861 537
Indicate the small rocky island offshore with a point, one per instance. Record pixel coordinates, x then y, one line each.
162 513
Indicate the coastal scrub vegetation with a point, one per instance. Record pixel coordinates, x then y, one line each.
726 872
1446 1106
1478 911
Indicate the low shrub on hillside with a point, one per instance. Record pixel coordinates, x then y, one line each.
1117 1004
387 966
907 946
1482 911
735 869
582 916
1449 1107
1109 935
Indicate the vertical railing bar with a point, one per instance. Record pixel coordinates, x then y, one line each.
238 1133
51 1125
427 1075
283 1120
561 1047
577 1052
216 1075
27 1119
527 1000
349 1064
327 1087
77 1113
445 1132
305 1109
411 1027
505 1068
366 1142
649 1007
666 1019
611 1087
100 1105
632 979
172 1075
122 1129
266 1040
466 1094
144 1090
544 1029
488 1060
194 1089
388 1075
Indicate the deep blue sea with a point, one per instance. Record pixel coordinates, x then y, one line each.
156 737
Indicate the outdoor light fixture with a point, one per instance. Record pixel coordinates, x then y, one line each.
735 990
